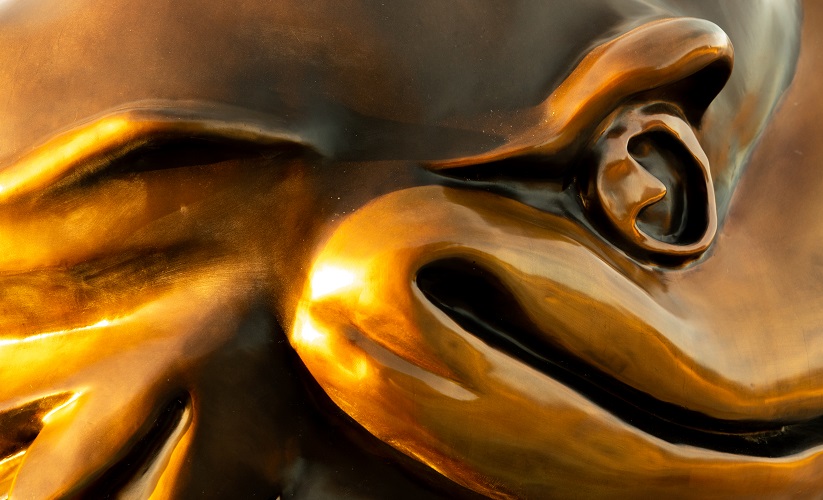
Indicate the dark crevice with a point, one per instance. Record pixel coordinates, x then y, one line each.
694 93
681 217
19 426
139 458
481 304
161 153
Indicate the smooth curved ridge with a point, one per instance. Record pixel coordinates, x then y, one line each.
652 56
90 146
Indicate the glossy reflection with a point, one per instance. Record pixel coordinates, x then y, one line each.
427 250
440 360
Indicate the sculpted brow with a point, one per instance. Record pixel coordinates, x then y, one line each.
96 144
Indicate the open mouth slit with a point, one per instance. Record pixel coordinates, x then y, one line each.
482 305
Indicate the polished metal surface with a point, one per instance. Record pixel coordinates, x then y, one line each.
411 250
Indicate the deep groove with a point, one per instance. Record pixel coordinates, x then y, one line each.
667 158
20 426
482 305
140 456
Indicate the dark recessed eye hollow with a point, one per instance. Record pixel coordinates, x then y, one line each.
679 217
648 186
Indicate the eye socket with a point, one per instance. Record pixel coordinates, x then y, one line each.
644 183
658 77
649 189
678 217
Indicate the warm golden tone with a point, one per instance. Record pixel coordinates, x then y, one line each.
430 249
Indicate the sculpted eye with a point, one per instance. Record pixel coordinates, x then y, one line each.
650 188
661 155
615 146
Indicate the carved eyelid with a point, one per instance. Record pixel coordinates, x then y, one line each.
92 146
646 60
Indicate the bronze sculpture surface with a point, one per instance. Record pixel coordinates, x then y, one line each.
424 249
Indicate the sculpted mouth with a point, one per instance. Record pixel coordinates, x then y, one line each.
481 304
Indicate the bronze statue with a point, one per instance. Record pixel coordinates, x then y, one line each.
410 249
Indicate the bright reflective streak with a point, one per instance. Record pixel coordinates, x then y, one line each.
313 339
57 408
361 369
327 280
40 336
19 453
47 164
309 334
